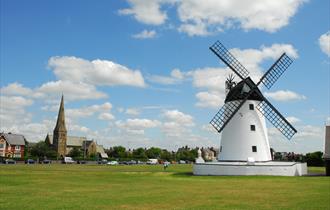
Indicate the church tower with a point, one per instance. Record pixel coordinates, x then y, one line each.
60 133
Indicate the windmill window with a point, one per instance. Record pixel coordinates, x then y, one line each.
252 127
254 148
251 106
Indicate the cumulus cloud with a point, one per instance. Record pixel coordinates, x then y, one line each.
324 42
132 111
266 15
96 72
175 77
13 111
176 123
16 89
71 90
103 109
137 126
285 95
145 34
147 12
202 18
292 119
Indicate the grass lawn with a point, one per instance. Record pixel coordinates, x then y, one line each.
149 187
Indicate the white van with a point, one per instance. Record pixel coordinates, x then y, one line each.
152 161
68 160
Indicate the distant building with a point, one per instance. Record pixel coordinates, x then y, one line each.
63 144
12 145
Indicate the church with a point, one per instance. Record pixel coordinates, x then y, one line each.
63 144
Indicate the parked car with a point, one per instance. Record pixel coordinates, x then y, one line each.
103 161
29 161
46 161
68 160
182 162
112 163
81 161
10 161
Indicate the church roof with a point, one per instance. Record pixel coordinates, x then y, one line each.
73 141
60 124
240 91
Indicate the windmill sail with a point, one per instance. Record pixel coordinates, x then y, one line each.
269 111
276 70
220 50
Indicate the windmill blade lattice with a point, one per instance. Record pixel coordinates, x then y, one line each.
221 51
269 111
226 112
276 70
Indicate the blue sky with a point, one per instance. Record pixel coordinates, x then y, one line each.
139 73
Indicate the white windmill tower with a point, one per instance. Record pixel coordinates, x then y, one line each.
242 123
241 119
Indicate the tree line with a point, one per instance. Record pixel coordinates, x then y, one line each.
42 150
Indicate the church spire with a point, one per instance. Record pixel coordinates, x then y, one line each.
60 124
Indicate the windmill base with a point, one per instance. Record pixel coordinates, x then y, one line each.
271 168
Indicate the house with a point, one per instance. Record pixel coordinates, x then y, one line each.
12 145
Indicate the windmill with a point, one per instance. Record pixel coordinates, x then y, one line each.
242 118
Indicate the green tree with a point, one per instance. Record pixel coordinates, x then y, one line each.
166 155
118 152
315 159
41 150
139 153
153 152
75 153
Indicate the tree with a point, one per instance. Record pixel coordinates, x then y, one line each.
75 152
41 150
153 152
315 159
139 153
166 155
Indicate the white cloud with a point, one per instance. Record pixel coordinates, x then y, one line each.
72 91
13 112
201 18
324 42
103 109
137 126
132 111
285 95
145 34
292 119
175 77
146 11
209 99
179 117
16 89
266 15
96 72
197 29
106 116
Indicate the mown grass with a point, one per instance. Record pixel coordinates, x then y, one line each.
150 187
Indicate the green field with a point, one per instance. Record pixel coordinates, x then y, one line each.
150 187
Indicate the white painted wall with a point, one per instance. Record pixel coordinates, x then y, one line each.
237 138
239 169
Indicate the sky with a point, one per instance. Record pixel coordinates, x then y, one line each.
139 73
